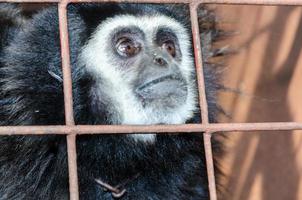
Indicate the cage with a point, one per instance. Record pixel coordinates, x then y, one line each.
207 129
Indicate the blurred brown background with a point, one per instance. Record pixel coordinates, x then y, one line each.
267 70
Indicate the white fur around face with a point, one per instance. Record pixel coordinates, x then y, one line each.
94 57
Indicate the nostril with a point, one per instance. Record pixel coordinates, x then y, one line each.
160 61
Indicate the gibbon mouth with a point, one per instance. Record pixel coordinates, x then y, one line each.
171 87
170 77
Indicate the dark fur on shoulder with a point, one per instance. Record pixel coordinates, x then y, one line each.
10 19
31 92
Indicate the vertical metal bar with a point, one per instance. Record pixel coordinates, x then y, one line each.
203 99
210 165
71 139
66 63
198 63
72 167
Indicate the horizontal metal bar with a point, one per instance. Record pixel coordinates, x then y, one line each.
252 2
111 129
30 1
133 1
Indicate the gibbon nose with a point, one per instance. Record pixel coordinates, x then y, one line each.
160 61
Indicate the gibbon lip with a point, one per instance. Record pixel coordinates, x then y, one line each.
159 80
166 90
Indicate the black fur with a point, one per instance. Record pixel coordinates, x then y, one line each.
35 167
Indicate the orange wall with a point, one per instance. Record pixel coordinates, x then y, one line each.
267 72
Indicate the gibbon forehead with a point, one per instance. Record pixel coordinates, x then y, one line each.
145 67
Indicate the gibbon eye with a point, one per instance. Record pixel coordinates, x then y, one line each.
170 47
127 47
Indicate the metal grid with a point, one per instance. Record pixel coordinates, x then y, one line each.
71 130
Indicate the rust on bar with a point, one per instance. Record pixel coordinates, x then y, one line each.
198 63
210 165
253 2
132 1
30 1
72 167
219 127
67 83
202 99
128 129
67 79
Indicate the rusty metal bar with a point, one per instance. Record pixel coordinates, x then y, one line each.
210 165
30 1
72 167
113 129
247 2
198 63
202 99
69 120
133 1
66 69
253 2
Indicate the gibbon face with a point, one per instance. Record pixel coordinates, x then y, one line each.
144 67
